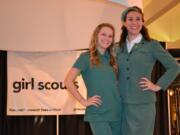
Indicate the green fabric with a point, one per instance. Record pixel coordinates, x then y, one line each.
126 11
139 63
138 119
100 80
106 128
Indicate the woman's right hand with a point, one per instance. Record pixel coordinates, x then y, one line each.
94 100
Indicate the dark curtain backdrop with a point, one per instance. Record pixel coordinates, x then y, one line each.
161 124
68 125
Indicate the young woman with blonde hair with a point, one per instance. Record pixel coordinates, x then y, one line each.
99 71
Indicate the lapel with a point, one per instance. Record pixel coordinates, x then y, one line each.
137 46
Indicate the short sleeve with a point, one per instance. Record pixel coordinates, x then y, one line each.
82 62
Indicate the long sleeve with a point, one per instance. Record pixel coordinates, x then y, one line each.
171 65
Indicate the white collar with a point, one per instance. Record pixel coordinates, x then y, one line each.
134 41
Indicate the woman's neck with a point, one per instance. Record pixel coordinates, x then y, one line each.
131 37
101 50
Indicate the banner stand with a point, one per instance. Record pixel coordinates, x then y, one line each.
57 124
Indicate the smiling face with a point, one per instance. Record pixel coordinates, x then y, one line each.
133 23
104 38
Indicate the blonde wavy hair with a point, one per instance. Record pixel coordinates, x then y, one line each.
94 59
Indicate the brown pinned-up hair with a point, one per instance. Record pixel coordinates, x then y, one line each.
144 30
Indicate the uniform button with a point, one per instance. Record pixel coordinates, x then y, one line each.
127 59
127 69
127 78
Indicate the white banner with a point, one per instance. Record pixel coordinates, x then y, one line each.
35 84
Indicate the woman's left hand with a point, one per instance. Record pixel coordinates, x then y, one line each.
146 84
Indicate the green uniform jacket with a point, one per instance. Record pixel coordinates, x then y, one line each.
100 80
139 63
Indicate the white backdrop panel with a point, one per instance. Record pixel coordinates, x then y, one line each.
53 25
